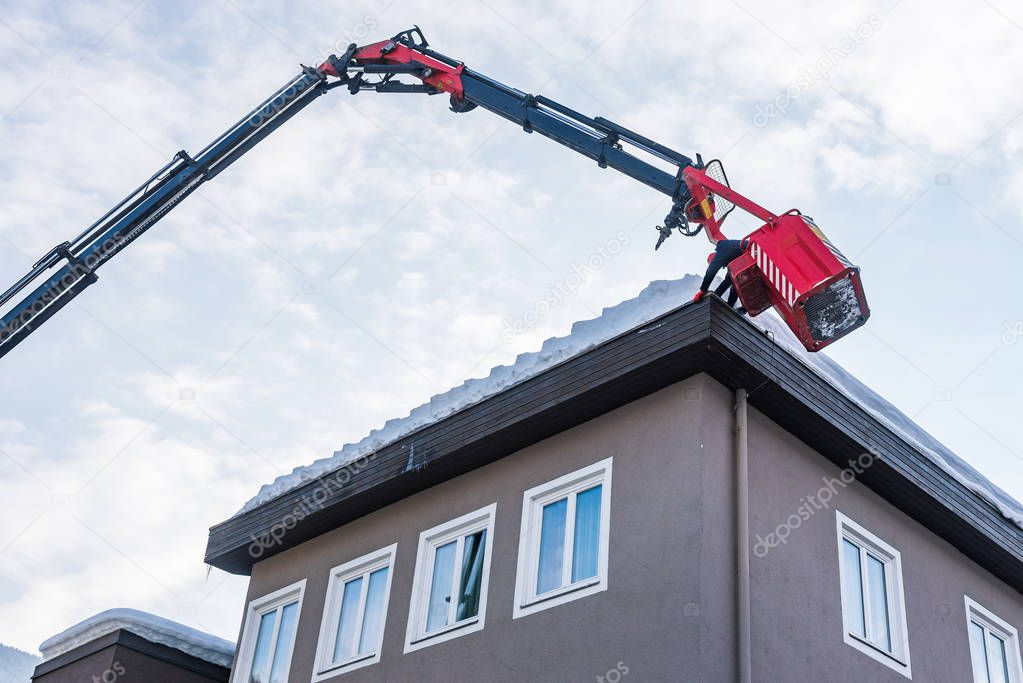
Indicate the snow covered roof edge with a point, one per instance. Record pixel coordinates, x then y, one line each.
656 299
155 629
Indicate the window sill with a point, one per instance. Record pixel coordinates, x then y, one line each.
456 630
458 625
575 591
878 649
559 592
351 664
889 659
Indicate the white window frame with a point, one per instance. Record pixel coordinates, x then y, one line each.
416 636
253 613
526 600
323 667
999 627
898 659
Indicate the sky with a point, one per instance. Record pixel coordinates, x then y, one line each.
377 249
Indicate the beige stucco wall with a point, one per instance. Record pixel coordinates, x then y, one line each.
668 613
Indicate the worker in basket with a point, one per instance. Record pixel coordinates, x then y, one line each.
725 251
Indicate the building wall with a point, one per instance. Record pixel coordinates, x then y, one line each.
667 613
797 609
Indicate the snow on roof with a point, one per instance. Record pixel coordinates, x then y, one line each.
658 298
155 629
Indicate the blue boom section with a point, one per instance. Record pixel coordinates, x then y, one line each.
596 138
141 209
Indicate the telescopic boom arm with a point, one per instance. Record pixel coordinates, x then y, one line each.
700 195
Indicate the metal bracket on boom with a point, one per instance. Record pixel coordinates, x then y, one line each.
203 170
610 140
675 219
678 216
412 37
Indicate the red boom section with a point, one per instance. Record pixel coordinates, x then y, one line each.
442 76
790 264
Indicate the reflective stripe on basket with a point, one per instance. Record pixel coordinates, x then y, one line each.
774 274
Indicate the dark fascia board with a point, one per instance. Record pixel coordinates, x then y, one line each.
73 655
703 337
131 641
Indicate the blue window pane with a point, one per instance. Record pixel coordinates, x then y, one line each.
261 656
470 582
852 589
586 544
998 664
440 589
285 643
373 618
344 645
552 546
978 653
880 630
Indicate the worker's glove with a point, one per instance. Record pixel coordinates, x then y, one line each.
699 295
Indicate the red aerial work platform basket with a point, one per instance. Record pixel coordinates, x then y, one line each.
787 263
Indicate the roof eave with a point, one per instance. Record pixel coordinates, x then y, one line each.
703 337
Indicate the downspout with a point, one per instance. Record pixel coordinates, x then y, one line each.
742 537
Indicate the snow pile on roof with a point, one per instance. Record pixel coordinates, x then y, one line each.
656 299
155 629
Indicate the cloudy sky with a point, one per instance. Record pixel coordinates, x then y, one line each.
373 251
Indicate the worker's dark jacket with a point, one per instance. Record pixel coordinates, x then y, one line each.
725 252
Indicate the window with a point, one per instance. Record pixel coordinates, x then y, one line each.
268 638
994 647
354 614
563 540
873 603
449 591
